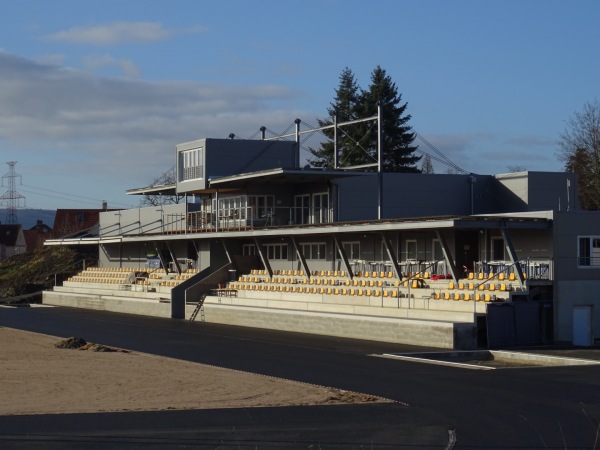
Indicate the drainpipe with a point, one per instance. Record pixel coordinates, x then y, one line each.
472 181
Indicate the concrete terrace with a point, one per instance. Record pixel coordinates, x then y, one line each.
419 309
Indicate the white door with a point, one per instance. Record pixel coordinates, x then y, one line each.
582 325
320 208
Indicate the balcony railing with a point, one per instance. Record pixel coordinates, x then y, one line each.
241 218
533 268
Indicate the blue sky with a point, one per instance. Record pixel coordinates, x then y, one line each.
94 96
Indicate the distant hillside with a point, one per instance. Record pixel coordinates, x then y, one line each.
29 217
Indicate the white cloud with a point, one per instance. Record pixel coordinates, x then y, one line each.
113 33
128 128
126 66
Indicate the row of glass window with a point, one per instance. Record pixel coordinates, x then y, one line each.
588 250
308 208
317 250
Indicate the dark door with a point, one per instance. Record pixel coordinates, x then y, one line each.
466 250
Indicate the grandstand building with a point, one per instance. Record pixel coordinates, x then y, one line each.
440 260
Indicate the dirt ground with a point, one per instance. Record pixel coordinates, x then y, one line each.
37 377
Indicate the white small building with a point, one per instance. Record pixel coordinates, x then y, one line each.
12 240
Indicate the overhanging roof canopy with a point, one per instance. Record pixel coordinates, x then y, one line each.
159 189
540 221
243 180
280 176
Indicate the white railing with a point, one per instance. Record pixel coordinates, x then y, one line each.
533 268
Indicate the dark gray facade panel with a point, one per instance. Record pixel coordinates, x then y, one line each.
568 227
222 157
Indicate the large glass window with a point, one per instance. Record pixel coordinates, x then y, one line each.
411 249
248 249
276 251
498 249
438 253
190 164
320 209
352 249
230 209
262 206
588 252
313 250
301 208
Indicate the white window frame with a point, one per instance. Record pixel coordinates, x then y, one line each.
302 209
320 208
314 250
248 249
276 251
351 249
590 257
263 206
409 243
190 164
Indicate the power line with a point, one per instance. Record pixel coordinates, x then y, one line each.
89 199
442 158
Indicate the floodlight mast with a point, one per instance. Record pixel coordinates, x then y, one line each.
379 164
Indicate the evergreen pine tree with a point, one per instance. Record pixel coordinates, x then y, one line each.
397 135
344 105
357 143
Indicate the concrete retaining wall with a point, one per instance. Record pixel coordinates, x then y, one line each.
395 330
108 303
430 333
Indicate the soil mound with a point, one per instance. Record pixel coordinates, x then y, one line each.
78 343
72 342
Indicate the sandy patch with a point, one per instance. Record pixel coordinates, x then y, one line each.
38 378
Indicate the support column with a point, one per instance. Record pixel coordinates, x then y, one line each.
342 253
263 258
391 255
227 254
301 257
447 255
510 249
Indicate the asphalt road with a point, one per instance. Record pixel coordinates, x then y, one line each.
436 407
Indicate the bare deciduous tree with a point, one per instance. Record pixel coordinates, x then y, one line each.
164 179
580 152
